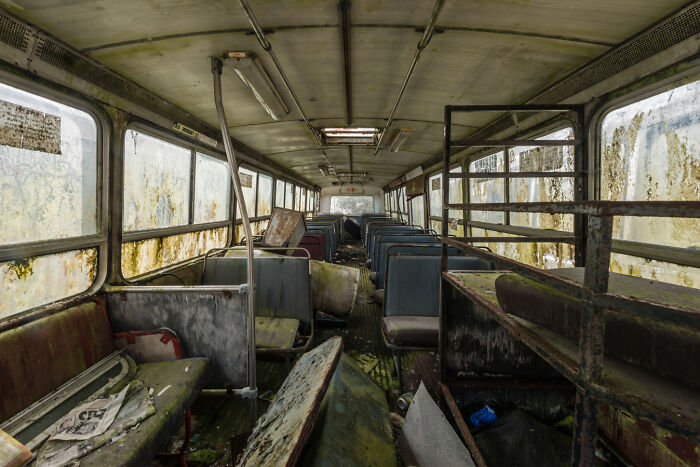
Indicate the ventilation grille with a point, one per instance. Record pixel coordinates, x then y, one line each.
14 34
671 32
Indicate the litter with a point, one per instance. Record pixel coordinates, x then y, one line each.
485 416
164 389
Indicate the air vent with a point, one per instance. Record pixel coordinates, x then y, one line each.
666 34
13 33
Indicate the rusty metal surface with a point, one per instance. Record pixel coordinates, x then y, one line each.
646 395
279 435
463 428
594 208
286 228
209 321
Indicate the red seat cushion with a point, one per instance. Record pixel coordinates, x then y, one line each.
38 357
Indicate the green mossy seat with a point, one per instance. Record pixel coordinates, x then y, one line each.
183 380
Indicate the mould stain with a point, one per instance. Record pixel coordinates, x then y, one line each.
23 268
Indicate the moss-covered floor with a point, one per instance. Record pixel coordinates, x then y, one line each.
218 422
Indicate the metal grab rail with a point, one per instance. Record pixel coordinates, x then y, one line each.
216 69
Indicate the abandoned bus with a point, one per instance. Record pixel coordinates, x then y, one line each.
350 232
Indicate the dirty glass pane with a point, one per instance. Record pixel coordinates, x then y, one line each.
264 195
289 196
655 270
418 211
297 198
436 226
212 189
387 201
651 152
279 193
48 169
541 255
435 190
352 205
487 190
543 159
40 280
148 255
456 194
302 202
249 180
156 183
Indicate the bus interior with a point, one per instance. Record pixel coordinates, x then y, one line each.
350 232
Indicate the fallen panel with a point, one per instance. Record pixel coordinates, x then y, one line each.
286 228
280 434
427 438
275 333
353 425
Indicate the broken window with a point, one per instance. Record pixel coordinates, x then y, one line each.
212 192
48 191
650 151
264 195
352 205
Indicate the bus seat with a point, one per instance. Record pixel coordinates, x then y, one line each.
411 331
315 244
38 357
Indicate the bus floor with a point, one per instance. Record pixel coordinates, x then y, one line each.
221 425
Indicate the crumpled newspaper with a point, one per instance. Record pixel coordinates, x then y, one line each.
94 424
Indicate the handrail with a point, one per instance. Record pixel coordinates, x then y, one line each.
216 69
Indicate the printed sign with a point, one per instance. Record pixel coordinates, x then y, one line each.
542 159
246 180
24 128
179 127
435 184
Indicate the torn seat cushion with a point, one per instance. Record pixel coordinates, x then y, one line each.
412 331
378 296
176 385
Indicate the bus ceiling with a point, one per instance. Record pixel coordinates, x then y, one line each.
297 71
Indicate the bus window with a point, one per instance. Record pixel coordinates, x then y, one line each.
352 205
249 181
279 194
157 183
487 190
289 196
456 196
48 191
650 151
264 195
435 205
418 211
212 190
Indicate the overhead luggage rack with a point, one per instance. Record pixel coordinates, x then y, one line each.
595 376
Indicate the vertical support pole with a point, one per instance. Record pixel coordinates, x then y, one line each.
506 185
465 198
216 69
193 181
446 180
581 188
591 341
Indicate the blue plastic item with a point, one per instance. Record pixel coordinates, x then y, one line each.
484 416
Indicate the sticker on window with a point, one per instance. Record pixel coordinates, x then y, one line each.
246 180
545 158
435 184
25 128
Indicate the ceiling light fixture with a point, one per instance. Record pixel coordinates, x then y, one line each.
398 138
334 136
250 70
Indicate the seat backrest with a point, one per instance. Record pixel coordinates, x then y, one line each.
339 219
335 238
327 238
387 229
38 357
315 244
376 221
418 236
413 282
367 217
283 283
409 248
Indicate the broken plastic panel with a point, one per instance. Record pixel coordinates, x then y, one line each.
48 181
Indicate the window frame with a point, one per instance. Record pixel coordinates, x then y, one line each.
98 240
154 132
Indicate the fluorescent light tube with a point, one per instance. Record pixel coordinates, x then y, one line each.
250 70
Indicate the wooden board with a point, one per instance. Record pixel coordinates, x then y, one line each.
280 434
